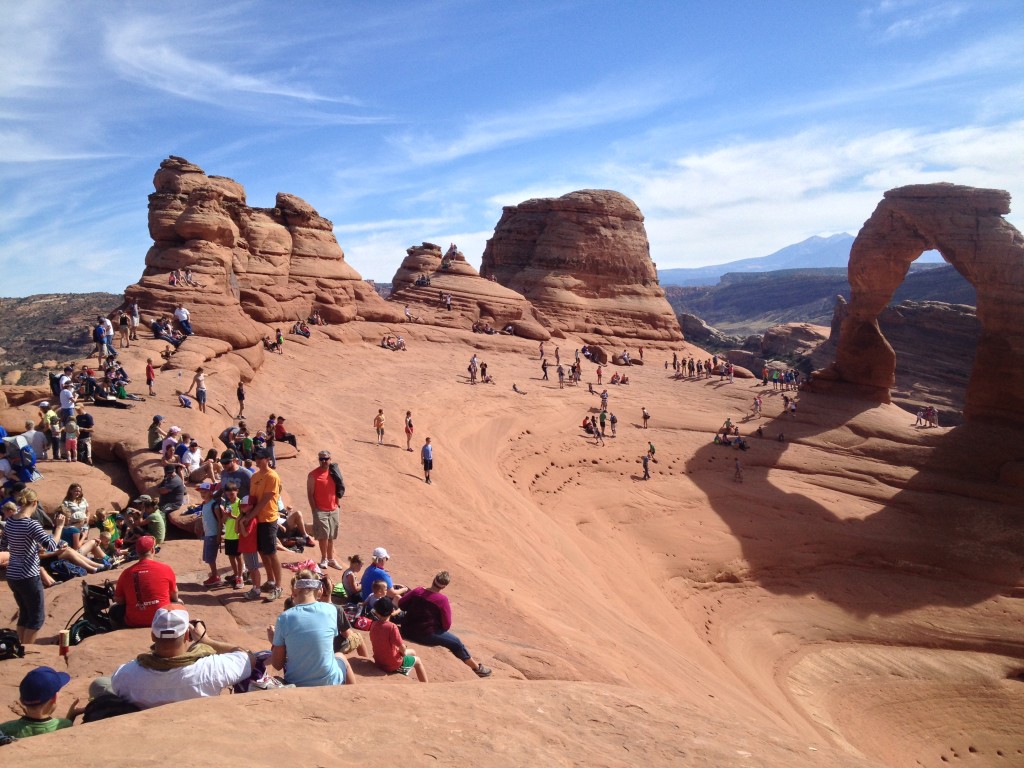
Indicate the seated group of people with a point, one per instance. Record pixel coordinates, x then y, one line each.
161 328
481 327
300 328
422 280
393 342
619 378
179 277
315 318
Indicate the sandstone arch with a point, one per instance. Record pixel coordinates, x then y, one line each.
966 226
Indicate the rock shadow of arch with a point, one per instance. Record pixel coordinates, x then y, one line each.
966 226
953 534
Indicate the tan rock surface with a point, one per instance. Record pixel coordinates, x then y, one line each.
584 262
967 227
842 606
473 298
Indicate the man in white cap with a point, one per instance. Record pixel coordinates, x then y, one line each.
376 571
182 664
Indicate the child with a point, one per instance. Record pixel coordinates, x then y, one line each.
38 698
247 547
71 432
150 376
348 579
379 590
390 652
211 533
229 514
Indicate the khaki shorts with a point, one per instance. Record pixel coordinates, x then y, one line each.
325 525
350 643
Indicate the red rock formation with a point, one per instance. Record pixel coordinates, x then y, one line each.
966 226
584 262
272 265
473 298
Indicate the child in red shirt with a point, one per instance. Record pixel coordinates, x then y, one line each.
390 652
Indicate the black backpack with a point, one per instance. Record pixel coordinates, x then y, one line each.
10 645
107 705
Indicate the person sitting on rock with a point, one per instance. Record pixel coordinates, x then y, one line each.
183 317
159 332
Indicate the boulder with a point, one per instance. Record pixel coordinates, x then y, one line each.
584 262
474 299
966 226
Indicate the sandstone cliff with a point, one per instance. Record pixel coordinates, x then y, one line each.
584 262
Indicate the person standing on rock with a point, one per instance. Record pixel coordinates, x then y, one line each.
408 431
613 421
199 383
544 369
645 415
646 460
542 350
240 395
427 455
561 377
264 495
150 376
378 426
600 372
324 490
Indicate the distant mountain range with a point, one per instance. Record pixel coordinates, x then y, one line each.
814 253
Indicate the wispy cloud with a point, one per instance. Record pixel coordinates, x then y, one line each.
601 104
901 19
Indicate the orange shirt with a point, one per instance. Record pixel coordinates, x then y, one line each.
325 496
262 483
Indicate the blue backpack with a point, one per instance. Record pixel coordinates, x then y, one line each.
26 464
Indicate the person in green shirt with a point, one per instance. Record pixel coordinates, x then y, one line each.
38 697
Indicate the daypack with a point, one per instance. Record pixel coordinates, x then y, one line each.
339 483
107 705
55 385
62 570
10 645
25 464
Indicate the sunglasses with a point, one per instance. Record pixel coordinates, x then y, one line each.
325 458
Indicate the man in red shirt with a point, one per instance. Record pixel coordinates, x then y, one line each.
143 587
428 621
324 492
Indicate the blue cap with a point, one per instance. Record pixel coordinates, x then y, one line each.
42 684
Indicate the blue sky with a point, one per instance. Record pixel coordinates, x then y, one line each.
738 128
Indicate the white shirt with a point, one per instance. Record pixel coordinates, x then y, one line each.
192 460
207 677
67 398
5 469
37 440
181 313
108 327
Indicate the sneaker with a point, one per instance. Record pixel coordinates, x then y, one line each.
268 586
323 563
213 581
482 671
269 683
274 594
253 594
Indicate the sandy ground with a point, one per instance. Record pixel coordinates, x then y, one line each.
842 605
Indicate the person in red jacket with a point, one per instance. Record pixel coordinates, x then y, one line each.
428 621
143 588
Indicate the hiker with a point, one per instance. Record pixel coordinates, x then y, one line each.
264 495
240 396
37 695
182 663
428 621
378 426
183 317
645 416
390 653
408 431
324 491
143 587
199 383
377 572
22 536
427 456
646 460
303 638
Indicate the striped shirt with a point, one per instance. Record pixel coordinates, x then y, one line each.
22 537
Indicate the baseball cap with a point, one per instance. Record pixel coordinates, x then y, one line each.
205 487
175 430
144 499
145 545
380 552
44 404
158 417
262 453
42 684
227 456
170 623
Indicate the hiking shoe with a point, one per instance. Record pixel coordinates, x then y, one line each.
274 594
323 563
334 564
253 594
268 586
213 581
482 671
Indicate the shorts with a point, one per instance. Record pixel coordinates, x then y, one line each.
428 464
201 396
71 444
266 538
231 547
350 643
408 662
325 524
210 547
252 561
135 321
28 594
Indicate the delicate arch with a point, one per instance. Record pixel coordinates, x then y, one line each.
966 226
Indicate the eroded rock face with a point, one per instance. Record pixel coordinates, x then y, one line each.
272 265
474 299
584 262
966 226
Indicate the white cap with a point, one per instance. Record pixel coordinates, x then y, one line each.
175 429
170 623
380 552
205 487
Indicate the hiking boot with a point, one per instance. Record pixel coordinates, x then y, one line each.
253 594
482 671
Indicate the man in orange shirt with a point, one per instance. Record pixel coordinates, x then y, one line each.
324 493
264 499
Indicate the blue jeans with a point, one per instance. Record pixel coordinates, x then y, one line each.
445 640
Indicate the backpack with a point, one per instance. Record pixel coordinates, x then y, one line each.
107 705
25 464
10 645
339 483
62 570
55 385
